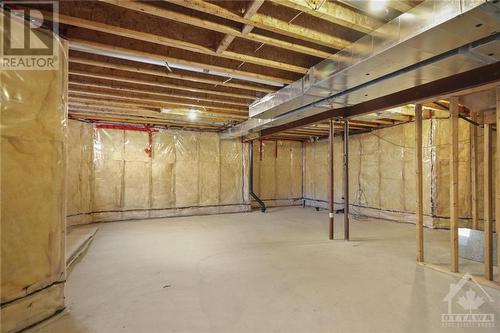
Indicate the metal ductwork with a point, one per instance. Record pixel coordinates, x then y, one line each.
433 40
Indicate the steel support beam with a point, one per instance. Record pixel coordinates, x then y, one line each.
488 74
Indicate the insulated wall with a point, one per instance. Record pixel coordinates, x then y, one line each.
442 196
381 173
278 172
382 180
188 173
33 166
79 172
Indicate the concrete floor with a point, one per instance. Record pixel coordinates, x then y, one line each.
254 272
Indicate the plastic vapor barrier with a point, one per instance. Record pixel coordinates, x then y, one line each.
79 171
188 173
278 172
382 180
381 173
442 196
33 183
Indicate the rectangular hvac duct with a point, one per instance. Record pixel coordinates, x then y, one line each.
426 31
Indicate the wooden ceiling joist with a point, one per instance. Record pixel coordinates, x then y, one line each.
206 24
161 40
334 13
252 9
148 113
127 108
161 102
138 119
173 75
153 83
101 47
77 86
268 23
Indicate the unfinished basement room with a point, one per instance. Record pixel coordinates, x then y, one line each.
253 166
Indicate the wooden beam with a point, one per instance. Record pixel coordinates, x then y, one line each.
205 24
82 86
420 181
474 166
331 188
488 203
114 94
159 102
126 112
158 57
466 81
96 101
268 23
252 9
81 114
170 42
171 75
153 83
454 183
497 180
335 13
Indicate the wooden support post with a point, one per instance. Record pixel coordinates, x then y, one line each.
474 165
420 187
346 179
488 207
497 180
454 183
331 204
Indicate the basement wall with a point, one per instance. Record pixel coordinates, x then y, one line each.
277 176
442 197
189 173
33 212
381 173
382 180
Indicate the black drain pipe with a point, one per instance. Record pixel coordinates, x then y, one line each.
250 185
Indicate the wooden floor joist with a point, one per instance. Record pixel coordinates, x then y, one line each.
162 73
141 82
77 86
206 24
101 47
157 102
138 104
269 23
334 13
161 40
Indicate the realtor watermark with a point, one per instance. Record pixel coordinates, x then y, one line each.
467 301
27 43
